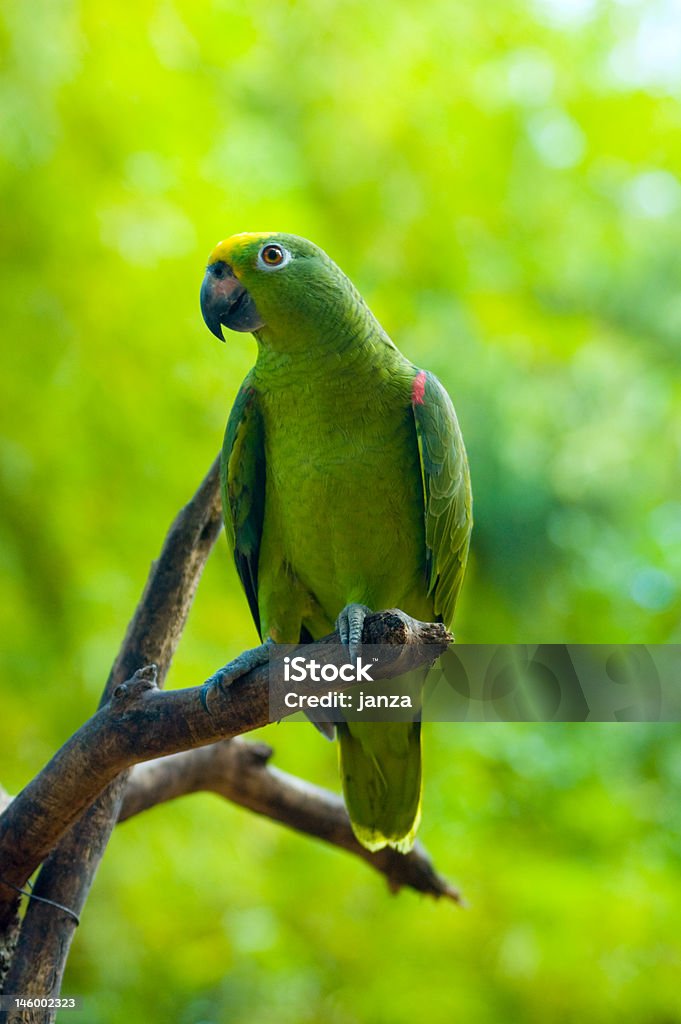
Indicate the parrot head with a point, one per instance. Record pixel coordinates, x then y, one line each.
274 285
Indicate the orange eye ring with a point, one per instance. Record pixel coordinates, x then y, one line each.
272 255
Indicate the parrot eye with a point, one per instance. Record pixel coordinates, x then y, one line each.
272 256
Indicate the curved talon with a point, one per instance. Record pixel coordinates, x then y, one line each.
214 682
350 625
233 670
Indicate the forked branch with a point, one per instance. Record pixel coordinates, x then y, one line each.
64 816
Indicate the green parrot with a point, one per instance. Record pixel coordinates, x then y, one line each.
345 487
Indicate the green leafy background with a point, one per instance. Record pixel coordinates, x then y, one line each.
501 180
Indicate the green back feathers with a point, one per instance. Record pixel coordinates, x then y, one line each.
447 491
242 476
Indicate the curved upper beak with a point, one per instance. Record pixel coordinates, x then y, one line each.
225 302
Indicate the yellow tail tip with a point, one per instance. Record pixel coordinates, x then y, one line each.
373 840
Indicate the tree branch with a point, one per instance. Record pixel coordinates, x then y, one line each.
152 636
76 799
141 722
239 771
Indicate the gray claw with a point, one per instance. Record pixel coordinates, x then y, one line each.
233 670
350 626
217 681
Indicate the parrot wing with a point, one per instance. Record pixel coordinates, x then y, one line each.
446 489
242 478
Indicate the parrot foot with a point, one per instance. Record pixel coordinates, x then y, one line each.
350 624
233 670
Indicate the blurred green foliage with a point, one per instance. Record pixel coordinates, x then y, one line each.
502 183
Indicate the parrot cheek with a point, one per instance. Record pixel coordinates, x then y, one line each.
225 302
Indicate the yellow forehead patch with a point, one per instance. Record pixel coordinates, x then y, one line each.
227 249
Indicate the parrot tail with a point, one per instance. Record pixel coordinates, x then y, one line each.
380 766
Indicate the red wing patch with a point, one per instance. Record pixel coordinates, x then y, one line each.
418 388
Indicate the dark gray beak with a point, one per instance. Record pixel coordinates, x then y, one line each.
226 303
